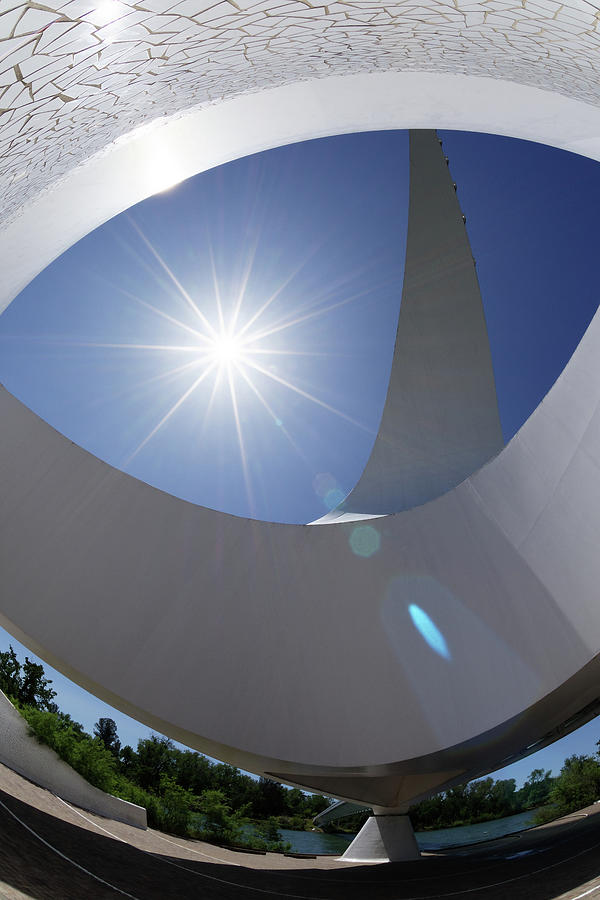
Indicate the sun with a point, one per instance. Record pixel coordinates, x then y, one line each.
227 344
226 349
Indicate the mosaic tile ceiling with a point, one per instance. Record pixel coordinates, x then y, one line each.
78 74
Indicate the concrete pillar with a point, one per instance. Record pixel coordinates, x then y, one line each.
384 839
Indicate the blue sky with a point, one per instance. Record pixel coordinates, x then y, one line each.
103 344
318 225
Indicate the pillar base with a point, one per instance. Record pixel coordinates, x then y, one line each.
383 839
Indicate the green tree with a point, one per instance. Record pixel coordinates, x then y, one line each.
106 731
26 684
128 762
177 805
67 721
220 825
316 803
536 789
193 771
155 758
578 784
295 802
503 797
85 754
35 687
10 673
237 788
268 836
270 799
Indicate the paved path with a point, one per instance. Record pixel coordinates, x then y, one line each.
51 851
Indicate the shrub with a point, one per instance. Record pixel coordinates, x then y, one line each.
577 786
219 824
177 805
269 837
85 754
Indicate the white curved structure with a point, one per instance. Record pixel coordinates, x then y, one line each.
440 420
472 632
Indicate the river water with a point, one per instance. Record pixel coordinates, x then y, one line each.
317 843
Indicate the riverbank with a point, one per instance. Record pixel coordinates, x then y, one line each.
320 843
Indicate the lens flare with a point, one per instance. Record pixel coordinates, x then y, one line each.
428 630
364 541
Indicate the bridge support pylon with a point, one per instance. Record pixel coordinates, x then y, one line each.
384 838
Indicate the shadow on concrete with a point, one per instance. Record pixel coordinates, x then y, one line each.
537 865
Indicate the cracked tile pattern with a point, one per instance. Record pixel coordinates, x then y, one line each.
77 74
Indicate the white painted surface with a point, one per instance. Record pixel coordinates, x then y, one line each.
222 631
76 76
173 149
505 566
179 593
440 421
383 839
23 753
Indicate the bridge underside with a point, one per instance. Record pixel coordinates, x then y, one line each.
140 597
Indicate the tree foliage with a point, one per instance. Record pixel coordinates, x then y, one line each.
478 801
25 683
481 801
155 760
85 754
219 824
536 789
577 786
106 731
181 788
177 787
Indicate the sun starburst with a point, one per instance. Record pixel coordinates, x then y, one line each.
227 349
235 351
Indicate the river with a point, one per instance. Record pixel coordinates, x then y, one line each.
317 843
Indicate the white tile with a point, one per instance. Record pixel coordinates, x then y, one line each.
41 118
156 6
21 97
35 20
222 11
44 91
105 11
163 23
190 7
125 28
11 94
77 9
10 131
48 65
51 34
8 20
80 35
18 57
9 46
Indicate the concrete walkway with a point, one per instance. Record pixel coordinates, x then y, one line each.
49 850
